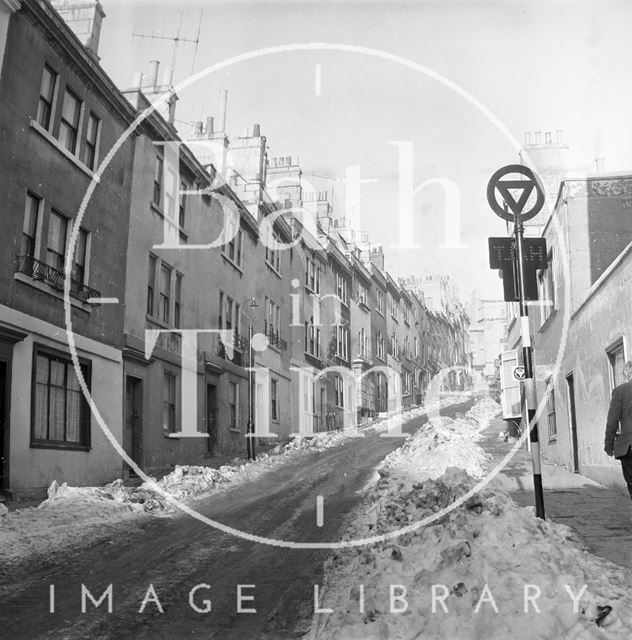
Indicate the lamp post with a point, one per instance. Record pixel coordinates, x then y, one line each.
250 441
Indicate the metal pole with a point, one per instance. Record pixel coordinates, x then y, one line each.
529 382
250 441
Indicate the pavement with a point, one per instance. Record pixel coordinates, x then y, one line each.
600 516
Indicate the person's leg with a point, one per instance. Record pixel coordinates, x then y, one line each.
626 465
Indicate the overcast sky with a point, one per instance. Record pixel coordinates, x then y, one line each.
535 65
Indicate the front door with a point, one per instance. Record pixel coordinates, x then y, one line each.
570 387
211 418
4 431
133 442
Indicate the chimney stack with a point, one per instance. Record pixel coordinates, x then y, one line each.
84 17
221 117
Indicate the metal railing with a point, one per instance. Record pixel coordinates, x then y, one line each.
275 339
239 350
54 278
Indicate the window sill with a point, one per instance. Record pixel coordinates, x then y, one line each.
71 156
379 312
40 286
156 209
548 321
156 321
312 291
232 430
60 446
275 271
233 264
176 435
364 306
313 359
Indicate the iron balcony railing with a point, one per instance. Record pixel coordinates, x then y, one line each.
54 278
275 339
239 350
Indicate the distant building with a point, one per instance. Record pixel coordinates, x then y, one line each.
488 335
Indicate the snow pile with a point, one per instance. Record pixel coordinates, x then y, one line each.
440 444
484 411
77 516
469 573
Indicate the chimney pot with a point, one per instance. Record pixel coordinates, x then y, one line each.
547 137
288 161
198 128
221 116
538 137
527 138
256 130
210 122
559 136
167 77
152 78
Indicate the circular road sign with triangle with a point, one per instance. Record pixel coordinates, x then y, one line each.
515 192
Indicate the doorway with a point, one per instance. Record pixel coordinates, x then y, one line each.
570 388
4 427
133 440
211 418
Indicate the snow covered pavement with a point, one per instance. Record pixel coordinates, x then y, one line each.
485 569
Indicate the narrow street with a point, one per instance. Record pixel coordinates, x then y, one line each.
176 554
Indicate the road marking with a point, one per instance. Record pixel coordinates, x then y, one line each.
102 300
320 513
317 79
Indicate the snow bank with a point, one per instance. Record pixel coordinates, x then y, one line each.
442 443
479 560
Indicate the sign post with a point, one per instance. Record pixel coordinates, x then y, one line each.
506 188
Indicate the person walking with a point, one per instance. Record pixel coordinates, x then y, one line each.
618 441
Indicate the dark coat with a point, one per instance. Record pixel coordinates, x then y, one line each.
620 412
